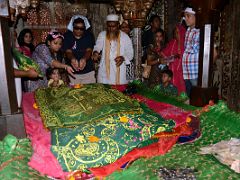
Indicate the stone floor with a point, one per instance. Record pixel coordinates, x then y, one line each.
12 124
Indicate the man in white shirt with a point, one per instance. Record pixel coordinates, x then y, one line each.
115 50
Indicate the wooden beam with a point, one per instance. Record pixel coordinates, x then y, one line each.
8 100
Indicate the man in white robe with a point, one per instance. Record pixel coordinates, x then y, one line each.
115 50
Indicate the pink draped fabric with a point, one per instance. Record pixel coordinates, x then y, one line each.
176 47
42 159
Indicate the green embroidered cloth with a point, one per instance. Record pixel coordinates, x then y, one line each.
25 63
67 107
218 124
102 142
14 157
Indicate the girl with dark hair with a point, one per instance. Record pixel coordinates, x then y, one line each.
26 47
25 42
54 77
49 55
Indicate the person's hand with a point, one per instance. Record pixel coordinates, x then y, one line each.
96 56
70 70
82 63
74 63
31 73
119 60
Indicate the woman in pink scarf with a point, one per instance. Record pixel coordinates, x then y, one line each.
173 55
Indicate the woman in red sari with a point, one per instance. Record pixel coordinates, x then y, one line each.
172 54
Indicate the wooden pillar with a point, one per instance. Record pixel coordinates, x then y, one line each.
206 51
207 17
137 46
135 12
8 100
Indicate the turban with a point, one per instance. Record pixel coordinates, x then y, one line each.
112 17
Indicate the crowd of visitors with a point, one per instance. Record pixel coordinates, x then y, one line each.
171 64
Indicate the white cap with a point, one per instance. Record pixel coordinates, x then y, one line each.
86 22
189 10
112 17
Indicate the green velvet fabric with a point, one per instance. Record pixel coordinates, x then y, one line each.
115 137
68 107
158 96
25 63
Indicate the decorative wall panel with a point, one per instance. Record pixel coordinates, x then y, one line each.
159 9
97 15
170 14
230 54
57 14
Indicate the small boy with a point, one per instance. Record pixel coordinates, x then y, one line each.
166 87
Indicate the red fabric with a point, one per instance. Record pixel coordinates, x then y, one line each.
155 149
176 47
42 159
165 143
120 88
25 50
167 111
185 130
